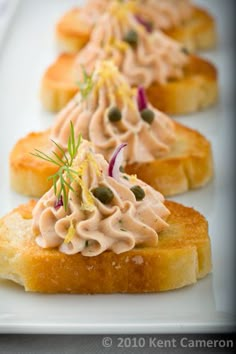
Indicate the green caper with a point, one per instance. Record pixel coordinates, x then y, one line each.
131 37
122 170
185 50
147 115
138 192
114 114
104 194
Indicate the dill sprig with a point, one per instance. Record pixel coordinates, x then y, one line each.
87 85
65 174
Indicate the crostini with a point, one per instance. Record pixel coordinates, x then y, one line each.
99 230
176 81
108 112
191 25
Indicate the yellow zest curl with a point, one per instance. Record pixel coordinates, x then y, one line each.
70 234
122 10
88 203
133 178
120 45
94 163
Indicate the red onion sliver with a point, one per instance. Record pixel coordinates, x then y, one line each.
58 203
146 24
141 98
116 161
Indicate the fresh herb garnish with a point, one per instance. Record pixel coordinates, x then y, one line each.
65 174
87 85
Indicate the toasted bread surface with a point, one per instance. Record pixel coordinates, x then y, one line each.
182 255
198 33
198 89
71 34
58 84
29 174
188 165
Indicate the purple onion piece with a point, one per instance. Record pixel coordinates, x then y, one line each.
142 99
58 203
116 161
147 24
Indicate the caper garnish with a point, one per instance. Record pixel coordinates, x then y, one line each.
114 114
185 50
104 194
138 192
147 115
131 38
122 170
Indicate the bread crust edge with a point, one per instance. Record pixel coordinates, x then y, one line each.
182 256
175 173
199 33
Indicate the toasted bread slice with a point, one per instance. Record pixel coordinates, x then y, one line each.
198 88
182 255
188 165
198 33
28 174
71 34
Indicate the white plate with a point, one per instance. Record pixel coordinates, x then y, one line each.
204 307
7 10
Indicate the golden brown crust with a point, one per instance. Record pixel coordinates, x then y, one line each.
198 88
28 174
182 256
188 165
58 83
198 33
71 35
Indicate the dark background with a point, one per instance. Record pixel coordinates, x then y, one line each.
58 344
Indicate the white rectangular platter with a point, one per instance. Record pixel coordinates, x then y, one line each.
205 307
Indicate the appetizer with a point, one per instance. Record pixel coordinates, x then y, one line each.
191 25
98 230
108 112
176 82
